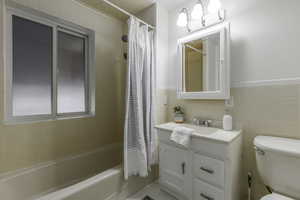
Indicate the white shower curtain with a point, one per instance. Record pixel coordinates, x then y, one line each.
140 139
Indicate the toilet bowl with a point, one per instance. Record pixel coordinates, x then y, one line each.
278 164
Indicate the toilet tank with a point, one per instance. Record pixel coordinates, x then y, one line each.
278 163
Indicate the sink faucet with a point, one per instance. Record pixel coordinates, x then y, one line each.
200 122
207 122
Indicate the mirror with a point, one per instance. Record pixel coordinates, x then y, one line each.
204 64
201 64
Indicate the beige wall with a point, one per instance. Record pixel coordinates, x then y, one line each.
26 144
266 110
148 14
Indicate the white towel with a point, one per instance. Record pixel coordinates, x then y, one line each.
182 135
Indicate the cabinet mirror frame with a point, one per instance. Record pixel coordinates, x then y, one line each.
224 68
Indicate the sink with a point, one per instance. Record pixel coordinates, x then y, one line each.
202 130
198 130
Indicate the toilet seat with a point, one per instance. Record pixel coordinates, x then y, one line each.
275 196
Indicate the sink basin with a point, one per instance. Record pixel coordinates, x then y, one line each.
200 129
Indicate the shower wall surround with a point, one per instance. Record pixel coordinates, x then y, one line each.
265 75
24 145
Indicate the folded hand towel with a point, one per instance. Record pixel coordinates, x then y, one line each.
181 135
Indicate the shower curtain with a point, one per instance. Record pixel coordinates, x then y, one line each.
140 138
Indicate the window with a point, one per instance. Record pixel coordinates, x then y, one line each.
32 67
71 78
49 67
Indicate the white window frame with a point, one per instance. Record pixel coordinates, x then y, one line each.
57 24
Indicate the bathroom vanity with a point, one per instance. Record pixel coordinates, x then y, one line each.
208 169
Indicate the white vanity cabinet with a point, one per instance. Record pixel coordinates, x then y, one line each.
173 168
209 169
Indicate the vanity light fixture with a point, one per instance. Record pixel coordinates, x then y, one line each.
184 18
201 12
197 12
214 6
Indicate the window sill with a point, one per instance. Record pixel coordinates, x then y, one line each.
38 119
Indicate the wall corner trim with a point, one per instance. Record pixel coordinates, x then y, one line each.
280 81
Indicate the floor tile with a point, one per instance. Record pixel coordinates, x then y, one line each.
153 190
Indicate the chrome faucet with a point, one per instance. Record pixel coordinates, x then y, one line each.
207 123
200 122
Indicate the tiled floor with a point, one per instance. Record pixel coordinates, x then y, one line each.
152 191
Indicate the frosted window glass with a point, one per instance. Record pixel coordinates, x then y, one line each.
71 73
32 68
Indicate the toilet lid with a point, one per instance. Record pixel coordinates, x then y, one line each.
275 196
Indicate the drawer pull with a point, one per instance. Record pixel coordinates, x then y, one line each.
183 168
210 171
206 197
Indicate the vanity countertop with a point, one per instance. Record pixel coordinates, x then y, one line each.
204 132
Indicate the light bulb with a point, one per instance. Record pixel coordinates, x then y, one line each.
182 19
197 11
214 6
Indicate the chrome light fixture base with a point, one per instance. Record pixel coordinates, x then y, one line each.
201 16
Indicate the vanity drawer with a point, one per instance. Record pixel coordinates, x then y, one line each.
209 169
204 191
210 148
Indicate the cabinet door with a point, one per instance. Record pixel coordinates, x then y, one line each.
174 168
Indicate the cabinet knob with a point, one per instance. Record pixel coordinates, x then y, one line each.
206 197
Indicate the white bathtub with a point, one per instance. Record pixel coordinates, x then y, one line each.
88 176
102 186
108 185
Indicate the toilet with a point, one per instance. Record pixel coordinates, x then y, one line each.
278 163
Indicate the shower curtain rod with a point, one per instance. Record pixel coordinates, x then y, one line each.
127 13
195 49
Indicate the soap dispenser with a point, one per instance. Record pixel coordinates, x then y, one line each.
227 121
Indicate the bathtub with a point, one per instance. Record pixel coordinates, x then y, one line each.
88 176
108 185
102 186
